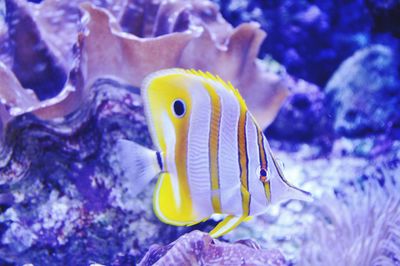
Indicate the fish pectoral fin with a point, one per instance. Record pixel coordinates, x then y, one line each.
137 162
228 224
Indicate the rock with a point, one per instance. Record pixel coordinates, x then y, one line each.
303 117
197 248
364 93
63 197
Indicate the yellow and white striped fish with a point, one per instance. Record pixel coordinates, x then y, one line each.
211 156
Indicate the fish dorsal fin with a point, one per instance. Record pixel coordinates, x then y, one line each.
227 85
208 75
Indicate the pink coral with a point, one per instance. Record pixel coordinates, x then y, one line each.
109 51
198 248
185 33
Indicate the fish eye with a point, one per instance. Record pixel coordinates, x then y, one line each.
263 172
263 175
179 108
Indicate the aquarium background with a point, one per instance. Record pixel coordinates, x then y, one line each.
324 84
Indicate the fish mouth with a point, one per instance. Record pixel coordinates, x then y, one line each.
281 175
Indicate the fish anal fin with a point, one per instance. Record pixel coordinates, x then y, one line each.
197 222
248 218
225 226
171 208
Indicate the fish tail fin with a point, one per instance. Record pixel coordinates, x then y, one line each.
138 162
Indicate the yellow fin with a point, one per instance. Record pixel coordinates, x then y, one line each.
228 224
200 221
166 208
249 218
227 85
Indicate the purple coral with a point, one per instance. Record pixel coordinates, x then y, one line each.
200 249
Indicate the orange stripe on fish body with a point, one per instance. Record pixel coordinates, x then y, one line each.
243 161
213 143
264 166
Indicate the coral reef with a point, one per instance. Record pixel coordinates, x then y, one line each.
40 64
104 48
200 248
63 196
69 78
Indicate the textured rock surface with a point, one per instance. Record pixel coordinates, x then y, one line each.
364 93
197 248
303 116
63 197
